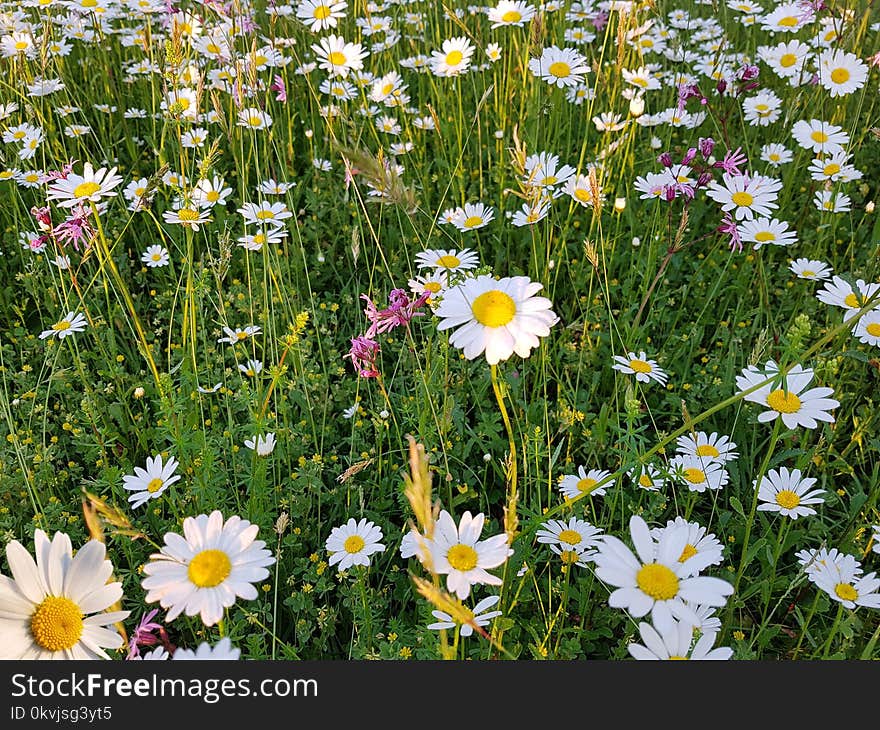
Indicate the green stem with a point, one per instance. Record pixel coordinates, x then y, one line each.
833 631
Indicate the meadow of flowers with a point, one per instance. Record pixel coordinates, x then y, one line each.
417 330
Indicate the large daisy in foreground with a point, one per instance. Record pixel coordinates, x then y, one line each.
205 569
91 186
55 608
498 317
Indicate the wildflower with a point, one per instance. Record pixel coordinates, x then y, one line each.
155 256
656 581
830 202
223 649
820 137
353 543
647 476
496 317
401 312
868 328
788 493
805 268
786 397
776 154
144 635
251 368
701 549
746 195
56 607
337 57
151 482
447 260
841 73
761 231
510 12
234 336
477 616
363 354
699 474
453 58
573 486
203 571
192 218
842 581
266 213
675 643
433 284
321 14
840 293
458 553
574 536
73 322
639 365
707 447
91 186
263 444
254 118
559 67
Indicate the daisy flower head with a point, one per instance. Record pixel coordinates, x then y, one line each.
868 328
204 570
453 58
434 284
559 67
448 261
191 218
73 322
582 189
776 154
575 536
473 216
320 14
841 73
263 444
338 57
254 118
572 486
820 137
647 476
639 365
840 293
830 202
788 493
234 336
91 186
708 447
786 397
699 474
812 561
265 213
676 642
842 580
747 196
702 548
56 607
496 317
150 483
353 543
480 615
223 649
155 256
762 231
458 553
653 580
416 545
510 12
805 268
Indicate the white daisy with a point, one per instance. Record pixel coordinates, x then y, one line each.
639 365
91 186
708 447
55 608
560 67
698 473
805 268
479 616
702 548
263 444
151 482
576 535
498 317
73 322
206 569
788 493
583 482
458 553
353 543
675 642
223 649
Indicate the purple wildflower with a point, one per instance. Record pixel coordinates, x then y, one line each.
728 226
363 354
279 88
731 162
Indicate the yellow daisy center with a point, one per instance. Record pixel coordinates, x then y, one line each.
640 366
321 12
586 484
639 81
560 69
511 16
765 236
353 544
494 308
61 326
259 238
212 196
549 180
453 58
572 537
155 484
688 552
187 214
645 481
21 45
708 450
694 475
433 287
657 581
742 198
852 300
840 75
678 658
789 21
209 568
462 557
774 157
583 195
873 329
86 189
787 60
259 60
787 499
570 557
57 624
449 261
783 402
473 221
182 102
846 592
337 58
255 120
241 336
212 48
832 168
819 136
808 273
264 214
